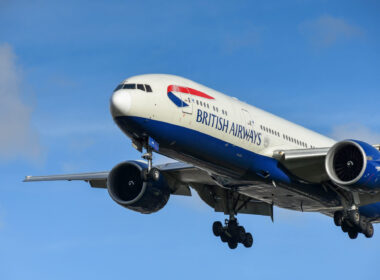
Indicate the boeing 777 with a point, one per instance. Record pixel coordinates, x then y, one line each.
238 158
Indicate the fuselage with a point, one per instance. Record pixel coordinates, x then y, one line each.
230 139
178 103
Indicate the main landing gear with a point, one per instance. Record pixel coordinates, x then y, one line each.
353 223
232 233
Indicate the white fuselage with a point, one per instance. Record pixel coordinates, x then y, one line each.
218 115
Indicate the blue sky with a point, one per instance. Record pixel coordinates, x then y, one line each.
313 62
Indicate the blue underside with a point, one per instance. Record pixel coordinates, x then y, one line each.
236 161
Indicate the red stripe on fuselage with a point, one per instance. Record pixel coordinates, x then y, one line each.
189 91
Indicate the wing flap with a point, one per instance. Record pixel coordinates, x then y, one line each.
306 164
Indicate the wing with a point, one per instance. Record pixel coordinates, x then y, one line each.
96 179
180 177
306 164
99 179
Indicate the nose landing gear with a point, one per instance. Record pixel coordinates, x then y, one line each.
232 233
151 173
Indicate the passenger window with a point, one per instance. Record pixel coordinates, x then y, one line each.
129 86
141 87
148 88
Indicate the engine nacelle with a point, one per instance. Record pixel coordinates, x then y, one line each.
127 187
354 164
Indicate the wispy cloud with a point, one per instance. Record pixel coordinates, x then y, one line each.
17 137
328 30
246 38
355 131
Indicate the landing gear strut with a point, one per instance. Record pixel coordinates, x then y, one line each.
232 233
353 223
151 173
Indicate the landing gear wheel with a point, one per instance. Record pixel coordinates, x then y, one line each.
217 228
353 234
345 227
369 230
232 244
354 217
154 174
362 226
145 175
224 237
338 218
240 234
248 240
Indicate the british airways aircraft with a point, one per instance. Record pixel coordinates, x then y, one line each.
238 158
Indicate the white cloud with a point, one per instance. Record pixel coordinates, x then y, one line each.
327 30
244 39
17 137
355 131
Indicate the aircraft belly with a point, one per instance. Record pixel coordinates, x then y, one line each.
219 157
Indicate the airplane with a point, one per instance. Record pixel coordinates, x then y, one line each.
238 158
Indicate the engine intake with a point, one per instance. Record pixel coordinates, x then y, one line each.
354 163
127 187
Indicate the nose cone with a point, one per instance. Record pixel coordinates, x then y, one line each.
120 103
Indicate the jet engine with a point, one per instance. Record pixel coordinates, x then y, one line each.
127 187
354 165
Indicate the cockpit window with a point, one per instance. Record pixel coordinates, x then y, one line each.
118 87
140 86
129 86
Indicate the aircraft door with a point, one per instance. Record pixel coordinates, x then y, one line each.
187 104
247 118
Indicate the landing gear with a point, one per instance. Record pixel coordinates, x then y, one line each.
354 217
338 218
248 240
353 223
232 233
217 228
369 230
151 173
353 234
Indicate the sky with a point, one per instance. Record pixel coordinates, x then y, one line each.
315 63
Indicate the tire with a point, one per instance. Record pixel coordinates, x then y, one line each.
224 237
240 233
248 240
353 234
362 226
232 244
217 228
345 227
154 174
338 218
354 217
369 231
